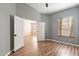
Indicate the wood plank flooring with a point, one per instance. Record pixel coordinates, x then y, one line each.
45 48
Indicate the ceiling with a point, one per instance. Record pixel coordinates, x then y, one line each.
52 7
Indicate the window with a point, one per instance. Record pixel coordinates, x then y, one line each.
65 26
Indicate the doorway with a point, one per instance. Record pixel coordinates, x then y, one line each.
34 29
30 28
30 33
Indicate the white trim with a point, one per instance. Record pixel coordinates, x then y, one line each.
47 39
8 53
65 43
41 40
61 42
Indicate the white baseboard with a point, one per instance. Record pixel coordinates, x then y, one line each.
8 53
45 40
42 40
65 43
61 42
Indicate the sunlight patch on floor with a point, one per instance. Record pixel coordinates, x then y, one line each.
34 42
65 52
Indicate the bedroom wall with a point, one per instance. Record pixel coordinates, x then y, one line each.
6 9
45 18
25 11
53 19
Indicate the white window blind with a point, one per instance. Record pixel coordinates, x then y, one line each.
65 26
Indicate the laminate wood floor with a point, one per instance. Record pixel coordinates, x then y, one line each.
45 48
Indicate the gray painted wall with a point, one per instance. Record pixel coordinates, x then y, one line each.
53 19
25 11
5 11
45 18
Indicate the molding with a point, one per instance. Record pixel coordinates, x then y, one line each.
41 40
8 53
47 39
65 43
60 42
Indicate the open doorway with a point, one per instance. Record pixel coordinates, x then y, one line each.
30 33
34 29
30 28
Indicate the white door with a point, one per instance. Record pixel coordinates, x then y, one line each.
41 31
18 32
34 29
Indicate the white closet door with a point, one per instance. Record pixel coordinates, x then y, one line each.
41 31
18 33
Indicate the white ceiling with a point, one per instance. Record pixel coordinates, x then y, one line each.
52 7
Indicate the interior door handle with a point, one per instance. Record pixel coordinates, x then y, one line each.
15 34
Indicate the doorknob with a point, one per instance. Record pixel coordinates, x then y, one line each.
15 34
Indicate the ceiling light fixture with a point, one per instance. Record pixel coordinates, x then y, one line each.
46 5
